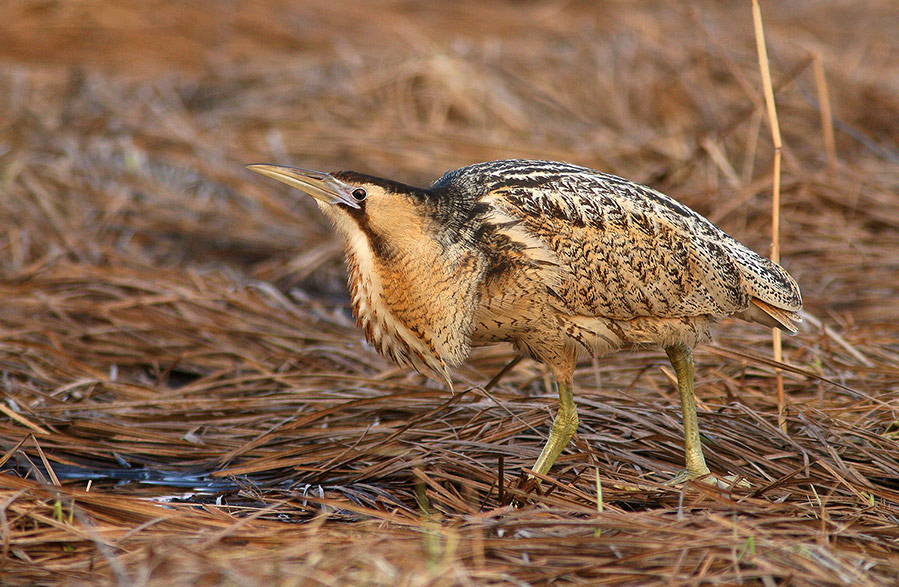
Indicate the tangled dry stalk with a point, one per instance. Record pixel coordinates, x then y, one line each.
186 399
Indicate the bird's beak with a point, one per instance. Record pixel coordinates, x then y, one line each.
320 186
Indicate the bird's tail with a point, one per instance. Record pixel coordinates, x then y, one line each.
765 313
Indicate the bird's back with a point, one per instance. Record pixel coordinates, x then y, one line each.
608 248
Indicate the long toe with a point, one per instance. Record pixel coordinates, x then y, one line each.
726 482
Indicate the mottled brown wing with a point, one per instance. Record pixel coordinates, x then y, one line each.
621 250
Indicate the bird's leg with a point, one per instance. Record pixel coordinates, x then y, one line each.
682 360
563 428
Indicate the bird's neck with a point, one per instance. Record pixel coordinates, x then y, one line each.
415 304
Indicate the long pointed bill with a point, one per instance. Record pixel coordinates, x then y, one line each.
320 186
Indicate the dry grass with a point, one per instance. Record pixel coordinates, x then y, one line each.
187 401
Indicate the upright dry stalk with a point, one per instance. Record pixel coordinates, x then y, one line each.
826 114
768 89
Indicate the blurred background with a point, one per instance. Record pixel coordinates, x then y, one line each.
137 117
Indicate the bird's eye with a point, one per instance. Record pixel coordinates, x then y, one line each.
359 194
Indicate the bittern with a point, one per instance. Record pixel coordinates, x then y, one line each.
557 259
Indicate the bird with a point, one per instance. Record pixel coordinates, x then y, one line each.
562 261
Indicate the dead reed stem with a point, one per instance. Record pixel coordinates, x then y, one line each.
826 113
770 105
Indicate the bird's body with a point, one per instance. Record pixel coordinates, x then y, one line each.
557 259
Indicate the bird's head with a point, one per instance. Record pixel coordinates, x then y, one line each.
324 187
413 268
389 214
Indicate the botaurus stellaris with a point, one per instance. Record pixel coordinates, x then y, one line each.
557 259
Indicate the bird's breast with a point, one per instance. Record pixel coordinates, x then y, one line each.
416 306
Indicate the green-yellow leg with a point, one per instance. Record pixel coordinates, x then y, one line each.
564 426
682 360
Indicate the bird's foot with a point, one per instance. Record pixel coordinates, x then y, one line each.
726 482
